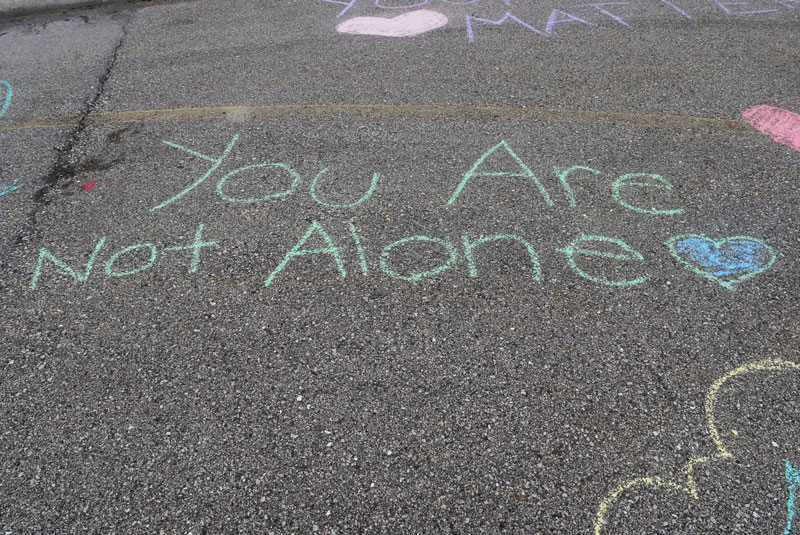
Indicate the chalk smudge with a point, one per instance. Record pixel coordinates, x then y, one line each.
782 125
405 25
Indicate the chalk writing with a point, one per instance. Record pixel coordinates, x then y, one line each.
628 254
526 173
727 262
601 8
782 125
587 15
451 250
292 173
6 101
216 162
195 247
46 255
295 177
793 480
562 177
347 5
676 8
298 250
372 187
405 25
625 182
362 259
737 10
689 487
148 264
8 189
470 245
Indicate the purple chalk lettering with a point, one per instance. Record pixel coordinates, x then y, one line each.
552 20
462 2
506 17
676 8
599 7
724 6
347 4
788 3
418 4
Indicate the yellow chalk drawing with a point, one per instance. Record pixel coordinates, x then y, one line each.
690 486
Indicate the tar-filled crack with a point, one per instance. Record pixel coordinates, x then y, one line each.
63 170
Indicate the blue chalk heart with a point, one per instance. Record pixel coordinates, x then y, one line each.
727 262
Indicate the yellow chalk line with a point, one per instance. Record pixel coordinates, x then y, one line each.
379 110
690 487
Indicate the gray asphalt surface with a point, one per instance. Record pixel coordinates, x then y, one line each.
152 382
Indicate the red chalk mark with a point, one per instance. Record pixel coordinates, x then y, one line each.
782 125
90 184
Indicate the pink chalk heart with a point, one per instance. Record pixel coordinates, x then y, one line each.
405 25
782 125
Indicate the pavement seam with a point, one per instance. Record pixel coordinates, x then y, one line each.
648 120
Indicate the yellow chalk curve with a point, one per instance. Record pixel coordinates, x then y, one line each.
690 487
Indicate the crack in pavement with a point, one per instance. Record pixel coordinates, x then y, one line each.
64 168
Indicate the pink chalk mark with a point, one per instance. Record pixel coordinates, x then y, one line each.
90 184
405 25
782 125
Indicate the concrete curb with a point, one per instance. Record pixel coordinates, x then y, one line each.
13 8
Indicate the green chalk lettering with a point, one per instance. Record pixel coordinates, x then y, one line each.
453 255
372 187
362 260
630 254
195 247
526 173
80 277
152 260
469 246
215 161
298 250
562 177
295 181
625 182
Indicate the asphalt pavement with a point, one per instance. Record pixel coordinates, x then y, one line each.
393 266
